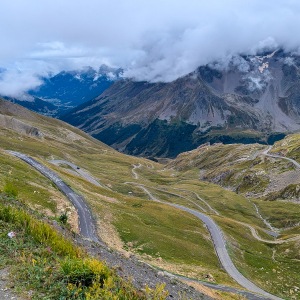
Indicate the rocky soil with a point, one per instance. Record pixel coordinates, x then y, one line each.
140 273
6 288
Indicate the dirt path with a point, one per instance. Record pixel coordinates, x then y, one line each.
202 200
277 241
180 196
273 229
134 173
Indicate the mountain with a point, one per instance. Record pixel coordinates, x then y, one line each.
68 89
247 99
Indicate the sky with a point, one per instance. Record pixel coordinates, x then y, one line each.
157 40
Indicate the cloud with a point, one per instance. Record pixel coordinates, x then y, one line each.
14 84
156 40
16 89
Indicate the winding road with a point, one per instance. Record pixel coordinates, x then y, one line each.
134 173
202 200
86 223
266 152
88 229
220 247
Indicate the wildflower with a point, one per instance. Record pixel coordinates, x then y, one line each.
11 234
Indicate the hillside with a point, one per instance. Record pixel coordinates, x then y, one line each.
49 264
37 194
246 169
289 147
134 206
253 99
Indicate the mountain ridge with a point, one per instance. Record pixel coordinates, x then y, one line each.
259 96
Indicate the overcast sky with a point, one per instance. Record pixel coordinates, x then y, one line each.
157 40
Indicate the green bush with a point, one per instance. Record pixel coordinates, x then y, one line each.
41 232
63 218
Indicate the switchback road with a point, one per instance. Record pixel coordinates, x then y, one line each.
88 229
131 268
78 170
219 245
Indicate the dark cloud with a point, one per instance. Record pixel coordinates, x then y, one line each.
156 40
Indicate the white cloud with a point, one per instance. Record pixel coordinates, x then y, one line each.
13 83
156 40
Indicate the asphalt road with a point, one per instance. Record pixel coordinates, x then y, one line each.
78 170
224 288
221 250
86 223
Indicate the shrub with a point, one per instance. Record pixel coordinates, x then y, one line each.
83 272
53 268
63 218
159 293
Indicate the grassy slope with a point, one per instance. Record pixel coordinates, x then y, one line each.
164 236
31 185
273 266
241 168
46 265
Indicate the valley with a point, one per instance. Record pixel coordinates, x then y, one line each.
166 231
60 92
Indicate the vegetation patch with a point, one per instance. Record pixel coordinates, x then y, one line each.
281 214
48 266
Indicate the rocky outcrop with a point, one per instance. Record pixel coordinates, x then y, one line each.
9 122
